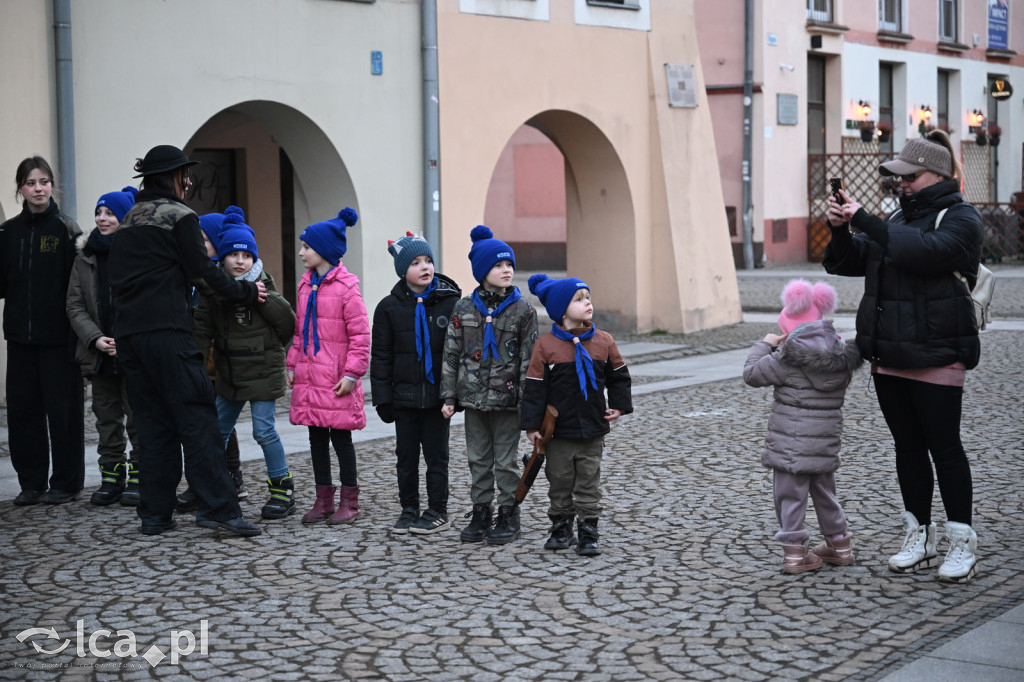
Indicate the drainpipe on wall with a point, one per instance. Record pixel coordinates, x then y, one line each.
65 106
748 112
431 141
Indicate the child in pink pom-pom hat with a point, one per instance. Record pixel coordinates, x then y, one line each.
810 368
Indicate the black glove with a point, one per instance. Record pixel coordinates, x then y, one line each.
386 413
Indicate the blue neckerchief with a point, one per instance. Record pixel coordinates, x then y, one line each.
584 363
490 341
314 280
423 331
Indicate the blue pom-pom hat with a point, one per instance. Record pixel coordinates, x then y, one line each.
487 251
328 237
555 294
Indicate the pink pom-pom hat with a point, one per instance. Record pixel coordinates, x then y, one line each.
804 302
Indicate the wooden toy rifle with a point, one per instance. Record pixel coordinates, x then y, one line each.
535 462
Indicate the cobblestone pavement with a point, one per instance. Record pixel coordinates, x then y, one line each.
688 585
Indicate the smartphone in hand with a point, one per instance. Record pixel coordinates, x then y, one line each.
837 184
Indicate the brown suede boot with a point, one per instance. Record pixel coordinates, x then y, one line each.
796 559
838 552
324 505
348 505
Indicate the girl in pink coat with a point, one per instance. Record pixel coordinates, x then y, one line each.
328 356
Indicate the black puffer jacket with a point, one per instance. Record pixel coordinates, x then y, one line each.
397 377
37 252
915 313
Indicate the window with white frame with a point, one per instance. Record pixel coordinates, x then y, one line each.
947 20
890 15
819 10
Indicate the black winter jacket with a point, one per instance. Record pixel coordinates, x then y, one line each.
397 377
915 313
37 252
552 380
157 257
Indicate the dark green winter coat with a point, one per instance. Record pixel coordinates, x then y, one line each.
249 343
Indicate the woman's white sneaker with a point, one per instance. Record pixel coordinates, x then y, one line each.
961 564
918 549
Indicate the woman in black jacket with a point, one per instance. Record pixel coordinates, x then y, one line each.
916 324
45 412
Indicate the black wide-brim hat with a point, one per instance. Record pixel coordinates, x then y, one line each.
162 159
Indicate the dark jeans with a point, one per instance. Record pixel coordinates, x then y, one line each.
173 403
45 411
320 440
925 418
429 428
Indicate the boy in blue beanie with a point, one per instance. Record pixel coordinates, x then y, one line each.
570 369
92 319
248 347
408 335
486 353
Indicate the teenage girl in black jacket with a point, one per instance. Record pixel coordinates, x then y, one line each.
916 324
45 397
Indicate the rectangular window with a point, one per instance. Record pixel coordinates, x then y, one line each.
942 104
815 105
947 20
890 15
819 10
885 102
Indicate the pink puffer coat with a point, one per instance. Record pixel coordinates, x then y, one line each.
344 331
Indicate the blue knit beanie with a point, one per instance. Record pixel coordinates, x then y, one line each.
406 249
487 251
555 294
237 236
119 203
213 224
327 238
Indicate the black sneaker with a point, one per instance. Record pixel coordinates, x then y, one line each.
506 526
187 501
238 526
480 524
157 528
54 496
431 522
28 497
410 515
236 476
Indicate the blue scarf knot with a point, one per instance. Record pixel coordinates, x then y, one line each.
584 363
490 340
309 323
423 332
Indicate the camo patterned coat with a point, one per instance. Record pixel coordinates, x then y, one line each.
493 384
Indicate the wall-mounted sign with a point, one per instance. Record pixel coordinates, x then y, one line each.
998 21
376 62
786 109
682 85
1001 89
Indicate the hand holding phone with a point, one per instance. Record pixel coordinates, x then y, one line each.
837 184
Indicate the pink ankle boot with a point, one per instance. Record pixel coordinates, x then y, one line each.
796 559
348 505
838 552
324 505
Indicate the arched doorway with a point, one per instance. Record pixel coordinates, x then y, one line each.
280 167
591 235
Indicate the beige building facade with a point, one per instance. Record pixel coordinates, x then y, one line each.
299 108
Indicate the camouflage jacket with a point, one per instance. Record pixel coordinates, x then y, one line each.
493 384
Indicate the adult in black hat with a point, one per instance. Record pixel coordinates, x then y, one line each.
157 257
916 324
